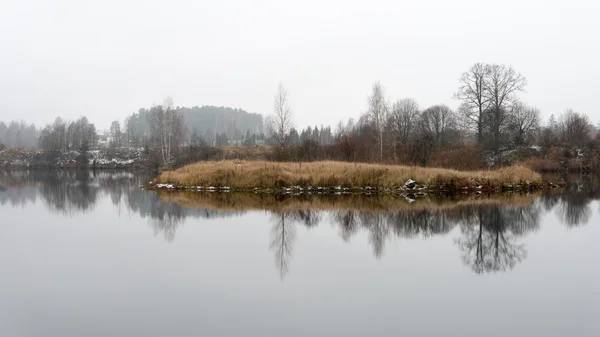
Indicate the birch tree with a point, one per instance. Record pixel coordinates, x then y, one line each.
280 122
167 128
377 113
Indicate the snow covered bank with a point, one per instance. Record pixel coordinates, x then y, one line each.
123 158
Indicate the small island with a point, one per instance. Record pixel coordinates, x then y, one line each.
341 178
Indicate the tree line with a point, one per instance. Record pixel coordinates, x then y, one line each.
492 126
18 135
168 132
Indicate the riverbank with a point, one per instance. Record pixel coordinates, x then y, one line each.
341 177
121 158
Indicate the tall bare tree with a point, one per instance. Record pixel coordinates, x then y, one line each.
472 93
377 113
501 88
403 118
280 122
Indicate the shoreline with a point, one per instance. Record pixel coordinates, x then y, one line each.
338 190
240 201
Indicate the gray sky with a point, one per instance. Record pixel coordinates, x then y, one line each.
106 59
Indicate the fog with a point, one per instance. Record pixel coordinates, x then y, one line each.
107 59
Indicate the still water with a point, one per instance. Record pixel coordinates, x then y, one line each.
91 254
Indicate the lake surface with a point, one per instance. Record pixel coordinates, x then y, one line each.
91 254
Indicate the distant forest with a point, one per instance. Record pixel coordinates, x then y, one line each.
18 135
210 124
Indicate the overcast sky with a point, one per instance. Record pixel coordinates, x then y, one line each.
106 59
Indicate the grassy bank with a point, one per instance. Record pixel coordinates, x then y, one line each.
252 175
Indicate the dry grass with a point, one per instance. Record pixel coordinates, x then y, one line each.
246 152
542 165
467 157
252 174
280 203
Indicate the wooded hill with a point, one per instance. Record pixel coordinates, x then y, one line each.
206 122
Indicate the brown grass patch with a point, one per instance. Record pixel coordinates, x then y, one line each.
466 157
246 175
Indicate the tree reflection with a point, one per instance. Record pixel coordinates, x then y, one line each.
348 223
378 227
489 233
282 239
574 204
69 192
420 223
491 245
309 218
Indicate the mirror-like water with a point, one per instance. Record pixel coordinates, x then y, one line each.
91 254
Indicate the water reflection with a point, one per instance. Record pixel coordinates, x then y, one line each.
573 203
491 244
283 234
489 231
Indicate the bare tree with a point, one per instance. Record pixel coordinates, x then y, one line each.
280 122
501 87
167 128
377 113
524 123
574 128
437 121
472 93
404 115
